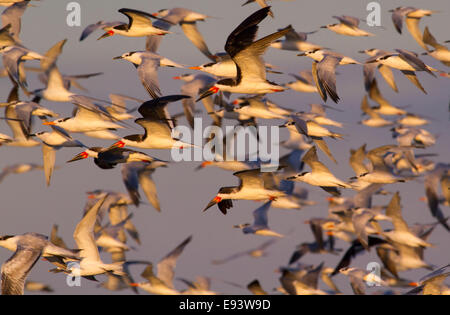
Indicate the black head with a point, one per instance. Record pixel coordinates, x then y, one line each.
5 237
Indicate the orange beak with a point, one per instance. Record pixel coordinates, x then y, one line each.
176 78
217 199
49 123
210 92
118 144
107 34
134 284
195 68
81 156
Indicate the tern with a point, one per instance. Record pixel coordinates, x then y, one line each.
385 69
35 286
55 89
162 282
320 175
356 249
7 3
301 280
369 70
439 176
348 26
305 83
380 173
312 130
139 25
295 41
324 71
27 249
246 54
157 124
257 252
19 169
88 118
52 141
319 246
374 120
13 56
318 114
324 74
413 136
405 61
135 174
441 52
358 277
5 38
91 263
19 119
412 120
12 15
401 233
319 54
412 18
251 187
260 225
16 269
255 107
384 108
313 127
187 19
147 64
193 87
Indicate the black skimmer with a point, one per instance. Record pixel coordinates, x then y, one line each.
246 54
139 25
348 26
157 124
107 158
251 187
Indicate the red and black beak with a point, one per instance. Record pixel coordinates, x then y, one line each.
81 156
211 91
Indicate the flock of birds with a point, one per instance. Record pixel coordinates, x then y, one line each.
239 70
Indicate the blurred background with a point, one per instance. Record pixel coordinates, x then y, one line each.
29 206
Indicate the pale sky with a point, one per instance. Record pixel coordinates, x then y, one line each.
29 206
